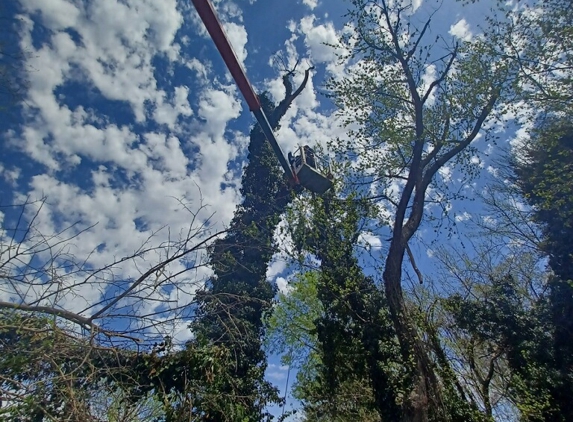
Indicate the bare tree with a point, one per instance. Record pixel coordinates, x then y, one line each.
55 354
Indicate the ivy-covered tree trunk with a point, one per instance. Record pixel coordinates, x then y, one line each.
355 335
231 306
543 175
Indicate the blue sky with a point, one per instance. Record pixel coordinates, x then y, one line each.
131 117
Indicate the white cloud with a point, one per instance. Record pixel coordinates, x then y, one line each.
489 221
310 3
122 181
446 173
369 241
117 42
167 112
166 150
428 77
493 171
10 174
461 30
276 372
475 160
237 36
201 68
463 217
283 286
218 107
57 14
317 39
276 267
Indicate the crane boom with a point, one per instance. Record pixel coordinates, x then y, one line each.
208 16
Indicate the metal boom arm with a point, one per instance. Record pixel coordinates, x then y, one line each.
215 29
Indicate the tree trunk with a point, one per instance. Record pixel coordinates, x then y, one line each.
424 396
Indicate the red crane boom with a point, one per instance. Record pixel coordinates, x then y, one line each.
215 29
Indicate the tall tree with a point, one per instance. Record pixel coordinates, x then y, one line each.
543 173
354 336
232 305
419 104
543 168
292 333
488 299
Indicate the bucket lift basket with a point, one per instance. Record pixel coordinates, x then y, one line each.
312 171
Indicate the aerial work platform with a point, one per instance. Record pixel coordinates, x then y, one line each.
313 172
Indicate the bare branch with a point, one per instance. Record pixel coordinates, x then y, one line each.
444 75
413 262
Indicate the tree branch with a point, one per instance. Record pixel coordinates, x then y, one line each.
413 262
152 270
486 110
83 322
438 81
283 106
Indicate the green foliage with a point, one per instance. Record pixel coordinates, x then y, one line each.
523 333
293 334
538 37
543 174
45 373
232 305
390 108
291 324
353 366
48 373
190 383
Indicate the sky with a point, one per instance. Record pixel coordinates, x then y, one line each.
131 131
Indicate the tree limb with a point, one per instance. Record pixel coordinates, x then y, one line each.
152 270
413 262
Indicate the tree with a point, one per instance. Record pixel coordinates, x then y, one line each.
410 130
487 285
339 314
511 332
232 305
58 363
292 333
543 174
497 331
